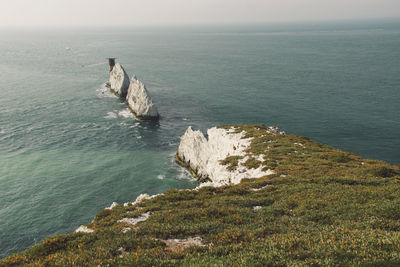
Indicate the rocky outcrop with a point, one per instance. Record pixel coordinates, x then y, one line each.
133 221
84 229
203 157
119 81
177 245
140 102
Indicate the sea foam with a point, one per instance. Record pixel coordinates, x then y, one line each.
103 92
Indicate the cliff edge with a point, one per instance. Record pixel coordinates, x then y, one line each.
321 206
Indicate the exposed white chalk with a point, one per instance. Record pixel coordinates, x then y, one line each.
205 156
83 229
139 100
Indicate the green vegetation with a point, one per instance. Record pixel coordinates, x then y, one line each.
322 207
231 162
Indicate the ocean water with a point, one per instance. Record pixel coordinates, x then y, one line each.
69 148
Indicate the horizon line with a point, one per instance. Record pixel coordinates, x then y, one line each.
218 24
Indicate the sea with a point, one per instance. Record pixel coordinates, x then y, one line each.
69 147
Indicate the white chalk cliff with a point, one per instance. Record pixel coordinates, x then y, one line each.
139 100
119 80
203 156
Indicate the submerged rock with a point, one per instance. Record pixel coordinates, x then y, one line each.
203 157
139 100
119 81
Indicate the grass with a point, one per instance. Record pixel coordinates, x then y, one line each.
231 162
322 207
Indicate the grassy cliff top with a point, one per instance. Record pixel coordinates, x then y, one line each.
323 206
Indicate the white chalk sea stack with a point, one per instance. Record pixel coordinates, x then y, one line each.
119 81
139 101
203 156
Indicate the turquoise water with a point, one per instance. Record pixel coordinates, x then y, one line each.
68 148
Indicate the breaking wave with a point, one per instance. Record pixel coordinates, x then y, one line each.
103 91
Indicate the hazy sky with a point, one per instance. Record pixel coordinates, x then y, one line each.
184 12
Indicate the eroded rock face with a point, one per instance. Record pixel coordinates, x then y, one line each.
139 100
203 157
119 81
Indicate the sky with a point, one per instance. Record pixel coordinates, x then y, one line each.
31 13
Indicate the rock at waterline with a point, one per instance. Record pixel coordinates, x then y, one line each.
139 101
119 81
203 156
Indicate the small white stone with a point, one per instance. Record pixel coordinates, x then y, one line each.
259 189
180 244
133 221
300 144
84 229
122 251
125 230
113 205
142 197
139 199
